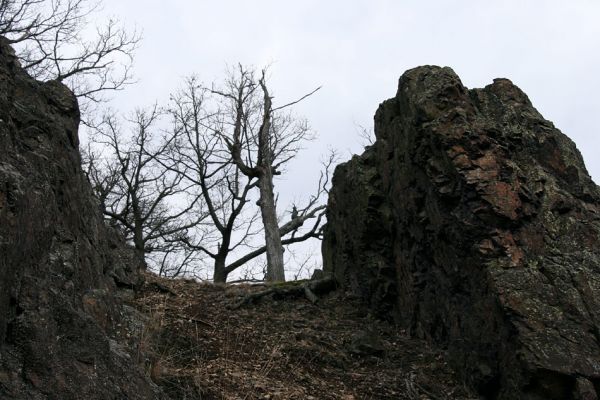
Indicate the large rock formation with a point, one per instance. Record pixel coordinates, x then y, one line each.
59 264
473 222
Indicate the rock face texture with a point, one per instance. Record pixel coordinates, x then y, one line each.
59 264
473 222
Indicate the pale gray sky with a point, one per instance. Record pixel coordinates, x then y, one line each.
358 49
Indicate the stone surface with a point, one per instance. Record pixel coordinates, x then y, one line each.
59 264
473 222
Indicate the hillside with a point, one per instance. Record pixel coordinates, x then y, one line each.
281 347
461 261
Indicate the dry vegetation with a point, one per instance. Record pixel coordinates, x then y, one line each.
195 347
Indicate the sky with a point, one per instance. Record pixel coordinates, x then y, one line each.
358 49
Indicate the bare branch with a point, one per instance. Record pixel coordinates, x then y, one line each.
136 191
299 100
53 41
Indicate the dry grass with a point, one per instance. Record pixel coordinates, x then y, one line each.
196 348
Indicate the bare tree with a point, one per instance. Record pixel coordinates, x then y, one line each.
196 159
204 119
54 41
202 158
260 139
294 230
136 192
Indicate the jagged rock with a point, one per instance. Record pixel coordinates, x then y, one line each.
59 263
473 222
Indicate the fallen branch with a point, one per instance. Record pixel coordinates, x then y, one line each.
309 289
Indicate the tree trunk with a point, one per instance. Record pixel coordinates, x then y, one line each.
220 274
138 234
140 247
268 211
275 270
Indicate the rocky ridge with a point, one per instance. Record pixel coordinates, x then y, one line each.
60 266
474 224
471 224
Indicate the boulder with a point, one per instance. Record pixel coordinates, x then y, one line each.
59 263
473 223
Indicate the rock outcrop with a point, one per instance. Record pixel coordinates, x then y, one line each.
473 222
59 264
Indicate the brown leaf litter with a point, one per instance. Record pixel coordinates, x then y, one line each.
195 347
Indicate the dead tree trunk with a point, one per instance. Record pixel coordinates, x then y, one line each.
259 153
274 248
268 210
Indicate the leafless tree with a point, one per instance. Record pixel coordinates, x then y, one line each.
260 139
55 41
140 177
137 193
202 116
202 158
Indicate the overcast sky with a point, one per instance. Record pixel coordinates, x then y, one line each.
358 49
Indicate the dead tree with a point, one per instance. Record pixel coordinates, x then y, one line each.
294 229
137 194
205 120
260 139
53 41
202 158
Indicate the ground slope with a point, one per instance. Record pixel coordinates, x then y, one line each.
282 348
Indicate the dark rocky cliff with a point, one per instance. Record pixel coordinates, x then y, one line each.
59 264
473 222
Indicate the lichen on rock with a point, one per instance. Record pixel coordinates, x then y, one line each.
486 235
